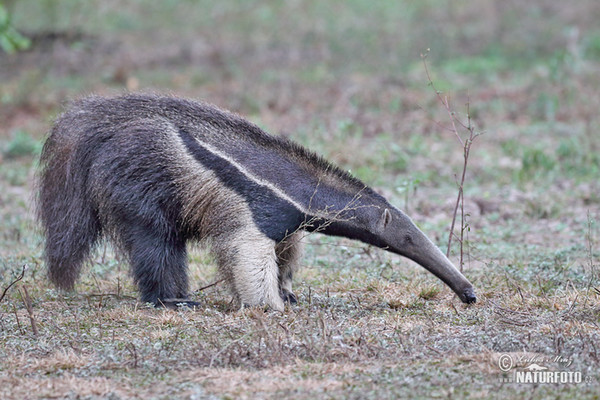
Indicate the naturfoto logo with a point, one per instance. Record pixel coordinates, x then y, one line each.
527 369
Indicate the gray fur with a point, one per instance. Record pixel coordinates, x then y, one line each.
153 172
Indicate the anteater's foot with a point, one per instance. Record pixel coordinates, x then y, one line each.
288 297
175 304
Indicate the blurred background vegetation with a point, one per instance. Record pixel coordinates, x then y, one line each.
321 70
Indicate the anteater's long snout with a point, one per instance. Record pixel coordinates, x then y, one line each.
420 249
432 259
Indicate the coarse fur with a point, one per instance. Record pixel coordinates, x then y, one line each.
154 172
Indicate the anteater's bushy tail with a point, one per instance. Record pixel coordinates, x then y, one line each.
67 214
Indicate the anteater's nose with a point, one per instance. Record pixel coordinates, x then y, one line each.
469 296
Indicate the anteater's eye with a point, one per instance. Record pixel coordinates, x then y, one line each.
408 239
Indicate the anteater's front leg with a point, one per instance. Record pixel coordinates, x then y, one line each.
248 260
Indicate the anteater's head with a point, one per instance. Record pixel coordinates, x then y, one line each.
395 231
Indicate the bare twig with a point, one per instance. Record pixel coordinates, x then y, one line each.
466 145
171 346
29 308
590 248
133 351
444 100
317 220
13 282
17 319
115 295
210 285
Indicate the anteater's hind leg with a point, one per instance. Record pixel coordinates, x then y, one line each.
288 255
159 265
247 259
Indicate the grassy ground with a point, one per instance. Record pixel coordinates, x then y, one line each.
345 79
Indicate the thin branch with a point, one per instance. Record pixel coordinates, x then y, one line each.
590 248
29 308
13 282
466 144
210 285
443 100
17 319
323 218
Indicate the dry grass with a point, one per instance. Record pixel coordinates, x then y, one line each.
370 340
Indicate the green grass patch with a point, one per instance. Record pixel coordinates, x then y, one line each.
22 144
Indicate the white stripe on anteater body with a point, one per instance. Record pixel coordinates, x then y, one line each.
153 172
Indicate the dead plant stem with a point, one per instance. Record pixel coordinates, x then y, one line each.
466 145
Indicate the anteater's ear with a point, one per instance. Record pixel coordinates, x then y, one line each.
384 219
